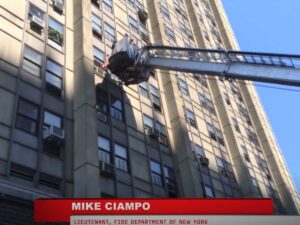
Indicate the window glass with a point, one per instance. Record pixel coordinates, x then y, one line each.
133 24
120 151
165 11
96 23
154 91
143 87
54 74
54 68
199 150
108 2
27 117
102 101
208 191
220 162
254 181
56 25
148 121
121 157
116 108
210 128
34 11
98 54
32 61
170 34
156 173
28 109
169 174
109 32
32 55
161 128
103 143
55 81
116 103
52 120
56 31
190 115
183 87
155 167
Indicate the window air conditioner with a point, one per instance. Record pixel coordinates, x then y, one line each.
106 169
204 161
151 132
58 6
54 134
37 22
101 116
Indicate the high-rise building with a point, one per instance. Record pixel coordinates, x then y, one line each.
69 129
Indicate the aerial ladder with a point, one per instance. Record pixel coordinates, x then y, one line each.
132 65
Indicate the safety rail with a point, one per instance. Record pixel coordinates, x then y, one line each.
224 56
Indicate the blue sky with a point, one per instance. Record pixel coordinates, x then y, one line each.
273 26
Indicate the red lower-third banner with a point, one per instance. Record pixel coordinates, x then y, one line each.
60 210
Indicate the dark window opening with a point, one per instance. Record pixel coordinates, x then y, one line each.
27 117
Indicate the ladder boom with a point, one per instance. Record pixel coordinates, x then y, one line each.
132 65
264 67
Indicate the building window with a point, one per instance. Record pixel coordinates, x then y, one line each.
97 26
155 96
211 131
252 137
227 99
104 150
162 133
96 3
56 31
51 119
236 125
32 61
245 153
54 73
170 181
131 2
50 181
199 151
98 57
144 34
170 34
21 172
143 87
156 173
109 32
220 163
215 134
207 104
183 87
102 104
58 6
116 108
51 147
256 186
148 122
108 5
27 117
208 192
36 18
164 10
191 118
133 24
121 159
